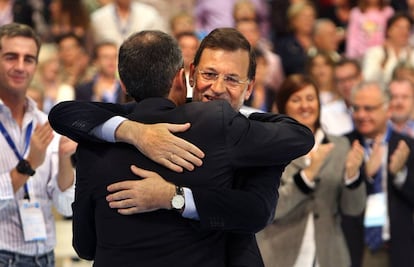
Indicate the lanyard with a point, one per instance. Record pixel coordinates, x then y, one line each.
384 141
123 28
16 151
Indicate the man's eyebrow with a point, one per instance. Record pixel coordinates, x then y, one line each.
16 54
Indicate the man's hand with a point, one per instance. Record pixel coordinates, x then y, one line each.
157 143
354 159
66 147
374 162
66 175
138 196
317 158
40 140
399 157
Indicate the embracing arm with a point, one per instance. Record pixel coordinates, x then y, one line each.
248 207
78 120
269 139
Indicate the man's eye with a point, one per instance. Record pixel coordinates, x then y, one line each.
210 75
232 80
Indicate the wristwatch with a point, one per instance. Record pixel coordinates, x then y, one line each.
24 167
178 200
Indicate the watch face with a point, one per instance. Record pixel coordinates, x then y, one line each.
178 202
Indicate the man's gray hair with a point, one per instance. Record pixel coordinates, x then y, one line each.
364 84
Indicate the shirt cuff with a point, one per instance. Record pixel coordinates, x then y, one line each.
310 184
106 130
352 179
401 177
190 210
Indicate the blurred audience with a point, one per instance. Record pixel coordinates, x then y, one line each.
262 97
74 61
336 116
117 20
212 14
367 26
293 47
47 76
188 43
326 39
105 85
379 61
382 237
314 189
321 68
184 22
250 30
402 106
35 91
70 16
339 12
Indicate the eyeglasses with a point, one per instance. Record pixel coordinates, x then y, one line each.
356 108
229 80
347 78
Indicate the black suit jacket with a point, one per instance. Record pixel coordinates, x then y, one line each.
219 207
400 209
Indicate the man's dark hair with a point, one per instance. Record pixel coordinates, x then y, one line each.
345 61
228 39
20 30
148 63
70 35
98 46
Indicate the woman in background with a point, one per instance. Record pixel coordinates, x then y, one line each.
314 190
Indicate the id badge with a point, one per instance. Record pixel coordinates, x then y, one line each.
376 210
33 222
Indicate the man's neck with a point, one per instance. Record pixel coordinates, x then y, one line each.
123 10
379 135
399 124
16 104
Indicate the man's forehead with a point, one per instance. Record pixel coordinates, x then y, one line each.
14 44
368 94
221 58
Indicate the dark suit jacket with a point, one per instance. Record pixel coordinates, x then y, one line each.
400 209
229 140
84 92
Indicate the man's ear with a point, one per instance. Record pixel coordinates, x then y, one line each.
191 75
178 91
249 90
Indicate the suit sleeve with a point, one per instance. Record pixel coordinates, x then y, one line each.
406 191
76 119
84 233
247 207
266 139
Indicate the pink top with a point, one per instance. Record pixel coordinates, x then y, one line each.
366 30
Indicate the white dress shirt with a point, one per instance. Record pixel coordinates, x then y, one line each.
42 187
336 118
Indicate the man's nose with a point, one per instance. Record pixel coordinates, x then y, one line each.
19 64
218 86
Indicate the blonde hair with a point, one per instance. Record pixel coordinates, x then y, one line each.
47 52
295 9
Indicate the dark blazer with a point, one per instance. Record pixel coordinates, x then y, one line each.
292 53
84 92
400 209
162 238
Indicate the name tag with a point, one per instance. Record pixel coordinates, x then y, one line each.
376 210
33 222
